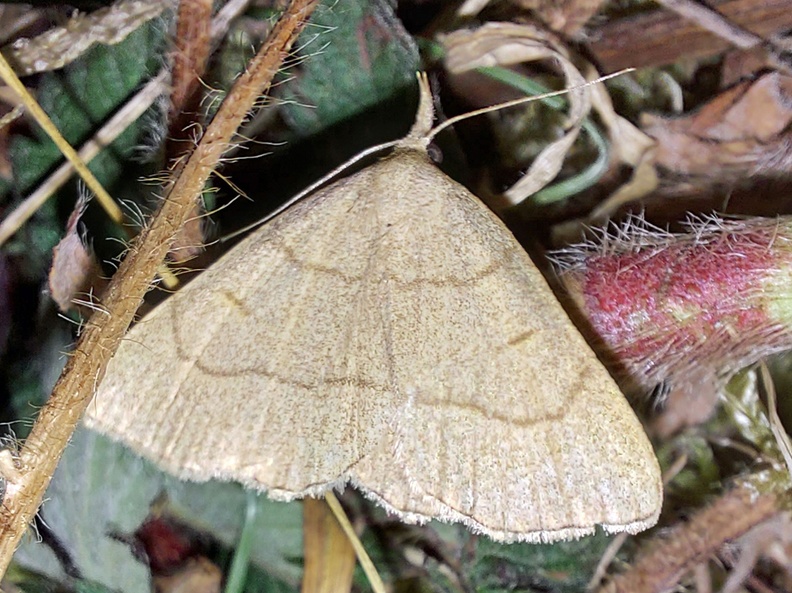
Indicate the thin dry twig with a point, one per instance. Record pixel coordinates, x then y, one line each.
56 422
8 76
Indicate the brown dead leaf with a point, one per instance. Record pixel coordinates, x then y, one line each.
629 146
739 65
740 132
74 273
654 38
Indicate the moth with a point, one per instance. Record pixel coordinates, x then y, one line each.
389 332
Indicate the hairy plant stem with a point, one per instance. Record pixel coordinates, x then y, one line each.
674 553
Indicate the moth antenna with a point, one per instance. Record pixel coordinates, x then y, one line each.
456 119
419 137
314 186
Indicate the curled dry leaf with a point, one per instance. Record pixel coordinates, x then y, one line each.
74 269
504 44
564 16
743 131
655 38
628 146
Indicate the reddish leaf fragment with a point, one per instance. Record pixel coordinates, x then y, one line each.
174 554
167 544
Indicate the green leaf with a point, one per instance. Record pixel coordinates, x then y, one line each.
560 567
218 508
358 55
79 99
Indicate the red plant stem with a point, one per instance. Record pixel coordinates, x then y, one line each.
704 303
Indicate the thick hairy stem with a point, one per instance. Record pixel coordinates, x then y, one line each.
685 311
674 553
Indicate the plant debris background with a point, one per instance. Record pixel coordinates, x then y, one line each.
702 127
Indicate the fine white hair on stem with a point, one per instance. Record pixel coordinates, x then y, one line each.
134 214
637 235
632 235
92 304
